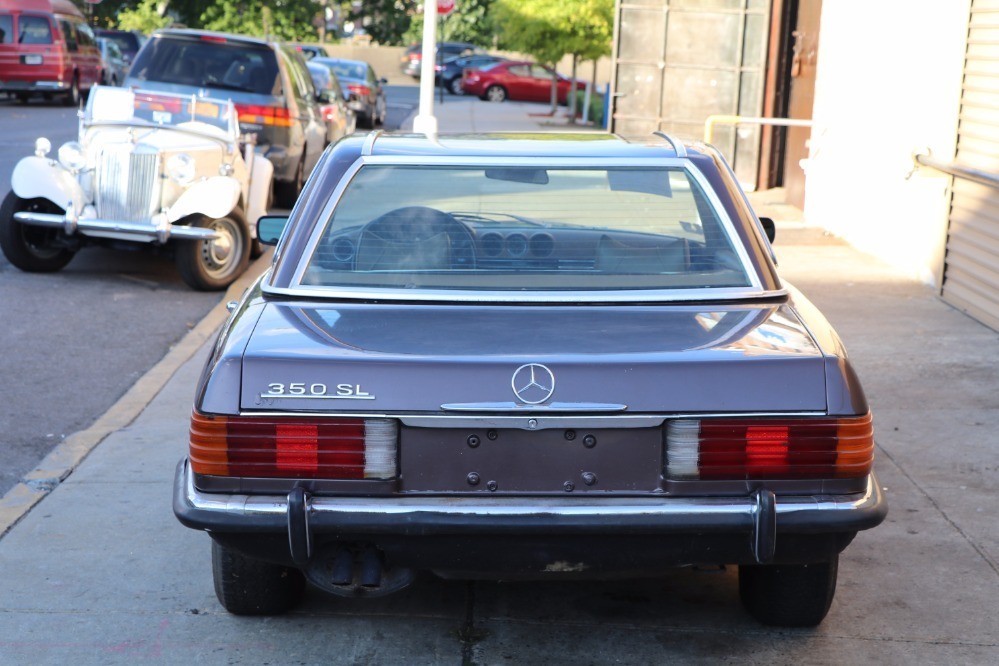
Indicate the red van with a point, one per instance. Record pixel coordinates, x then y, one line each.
46 47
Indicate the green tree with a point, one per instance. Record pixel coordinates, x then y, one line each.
144 17
551 29
385 20
469 22
289 20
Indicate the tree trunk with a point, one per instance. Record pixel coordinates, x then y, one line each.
571 100
554 92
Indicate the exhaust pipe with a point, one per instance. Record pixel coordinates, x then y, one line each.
343 568
371 568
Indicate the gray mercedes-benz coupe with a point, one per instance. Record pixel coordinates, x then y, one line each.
526 356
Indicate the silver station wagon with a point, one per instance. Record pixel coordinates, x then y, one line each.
526 356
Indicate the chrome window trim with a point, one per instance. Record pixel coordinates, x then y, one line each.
754 290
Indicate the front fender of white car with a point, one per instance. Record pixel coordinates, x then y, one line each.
213 197
41 178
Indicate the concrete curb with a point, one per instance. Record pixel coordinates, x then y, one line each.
62 460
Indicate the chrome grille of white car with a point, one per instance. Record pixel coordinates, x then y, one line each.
127 183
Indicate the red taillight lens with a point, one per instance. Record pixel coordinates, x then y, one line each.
256 114
153 102
362 91
214 39
328 112
270 447
770 448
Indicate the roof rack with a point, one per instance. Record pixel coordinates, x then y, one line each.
369 142
677 145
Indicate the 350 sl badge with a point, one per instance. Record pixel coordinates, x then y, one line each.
316 391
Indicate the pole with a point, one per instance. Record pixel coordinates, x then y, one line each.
440 60
425 121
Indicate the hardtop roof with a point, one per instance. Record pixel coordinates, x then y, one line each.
524 144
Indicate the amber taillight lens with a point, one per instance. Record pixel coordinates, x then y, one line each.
277 447
735 449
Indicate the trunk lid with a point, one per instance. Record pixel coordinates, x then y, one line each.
391 358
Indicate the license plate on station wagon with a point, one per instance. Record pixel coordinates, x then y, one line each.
32 59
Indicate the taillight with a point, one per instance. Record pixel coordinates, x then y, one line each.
732 449
359 90
328 112
273 447
258 114
154 102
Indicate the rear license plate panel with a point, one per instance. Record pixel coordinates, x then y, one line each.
542 461
32 59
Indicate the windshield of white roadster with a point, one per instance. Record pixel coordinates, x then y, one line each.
121 106
526 229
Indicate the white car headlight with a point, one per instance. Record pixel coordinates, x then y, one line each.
181 168
42 146
71 156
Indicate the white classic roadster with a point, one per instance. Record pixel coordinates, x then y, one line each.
151 168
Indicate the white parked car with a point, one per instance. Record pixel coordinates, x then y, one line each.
149 167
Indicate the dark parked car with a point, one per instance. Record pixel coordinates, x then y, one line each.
340 120
268 82
516 80
365 91
450 72
128 42
114 69
412 59
310 51
526 356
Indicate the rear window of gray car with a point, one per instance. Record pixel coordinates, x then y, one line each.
525 229
208 63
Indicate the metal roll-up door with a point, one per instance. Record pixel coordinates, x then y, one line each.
971 265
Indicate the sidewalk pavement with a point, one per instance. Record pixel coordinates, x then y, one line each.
100 572
470 114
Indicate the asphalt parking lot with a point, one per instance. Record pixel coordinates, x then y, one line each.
100 572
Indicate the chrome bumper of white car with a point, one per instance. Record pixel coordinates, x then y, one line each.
139 231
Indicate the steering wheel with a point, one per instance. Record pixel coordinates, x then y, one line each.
414 238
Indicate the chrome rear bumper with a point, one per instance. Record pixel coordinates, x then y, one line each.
760 515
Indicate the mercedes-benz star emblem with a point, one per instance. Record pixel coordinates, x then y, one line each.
533 383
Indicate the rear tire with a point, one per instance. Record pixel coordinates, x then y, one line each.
788 595
455 86
30 248
286 192
72 97
245 586
212 265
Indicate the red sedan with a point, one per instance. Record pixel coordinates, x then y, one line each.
516 80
